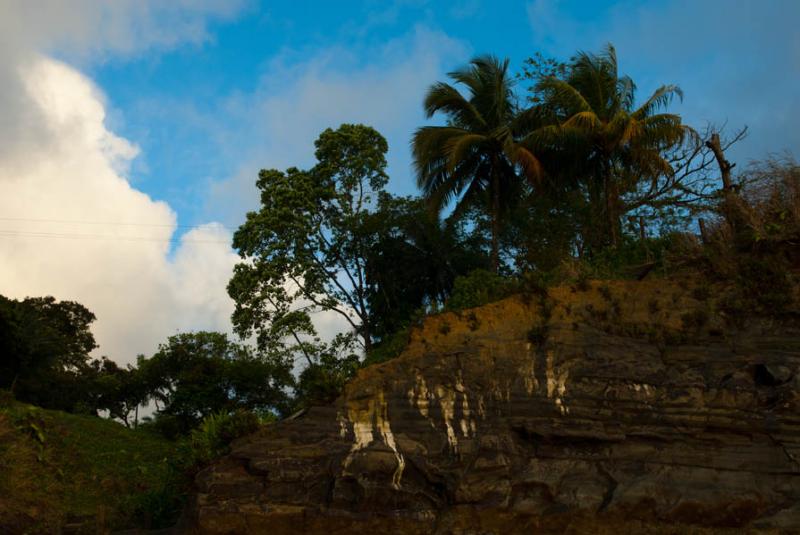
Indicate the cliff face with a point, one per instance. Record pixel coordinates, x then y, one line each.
615 408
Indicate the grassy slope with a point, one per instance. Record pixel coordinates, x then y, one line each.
59 469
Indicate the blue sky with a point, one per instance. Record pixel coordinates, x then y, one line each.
183 106
132 131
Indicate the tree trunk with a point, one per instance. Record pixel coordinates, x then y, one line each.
495 215
703 232
595 226
612 209
728 193
366 334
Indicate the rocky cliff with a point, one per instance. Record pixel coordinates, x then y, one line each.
614 407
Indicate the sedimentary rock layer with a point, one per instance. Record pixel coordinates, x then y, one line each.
619 407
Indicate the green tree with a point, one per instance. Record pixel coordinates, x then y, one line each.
414 261
304 250
196 374
118 390
476 157
42 340
614 145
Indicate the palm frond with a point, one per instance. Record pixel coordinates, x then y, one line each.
586 120
563 95
460 148
446 98
661 98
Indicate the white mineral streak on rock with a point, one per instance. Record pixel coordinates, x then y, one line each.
447 400
642 387
466 422
528 373
366 421
420 396
556 383
382 423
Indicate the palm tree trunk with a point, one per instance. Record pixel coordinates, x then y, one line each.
595 225
612 211
611 216
495 215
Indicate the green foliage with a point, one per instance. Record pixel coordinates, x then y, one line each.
56 465
476 158
613 145
44 344
195 375
539 67
390 347
304 250
478 288
414 262
212 438
323 381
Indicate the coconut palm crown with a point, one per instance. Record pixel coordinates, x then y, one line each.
475 157
615 144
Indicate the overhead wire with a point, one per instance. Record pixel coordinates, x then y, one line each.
54 234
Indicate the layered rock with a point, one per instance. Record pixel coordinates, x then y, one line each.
619 407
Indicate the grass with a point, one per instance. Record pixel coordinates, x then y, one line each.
88 473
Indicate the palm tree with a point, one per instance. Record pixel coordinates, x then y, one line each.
475 157
616 145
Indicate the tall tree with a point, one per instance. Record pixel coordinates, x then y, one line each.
304 251
615 144
476 157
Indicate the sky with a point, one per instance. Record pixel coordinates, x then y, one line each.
132 131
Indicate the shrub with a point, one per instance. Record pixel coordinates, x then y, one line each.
478 288
212 439
323 381
388 348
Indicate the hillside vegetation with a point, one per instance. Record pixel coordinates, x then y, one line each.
71 473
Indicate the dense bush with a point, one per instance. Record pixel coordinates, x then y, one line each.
478 288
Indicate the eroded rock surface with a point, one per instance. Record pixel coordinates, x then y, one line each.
629 407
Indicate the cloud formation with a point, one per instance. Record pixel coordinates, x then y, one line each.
296 101
76 227
73 226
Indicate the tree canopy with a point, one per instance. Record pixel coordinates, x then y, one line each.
476 157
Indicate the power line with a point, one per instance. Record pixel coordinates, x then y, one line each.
108 223
82 236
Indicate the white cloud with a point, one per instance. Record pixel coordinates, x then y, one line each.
59 160
99 27
124 273
295 102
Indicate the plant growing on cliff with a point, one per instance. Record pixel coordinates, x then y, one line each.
476 156
616 144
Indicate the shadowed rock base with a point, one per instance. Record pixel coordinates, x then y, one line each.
631 408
